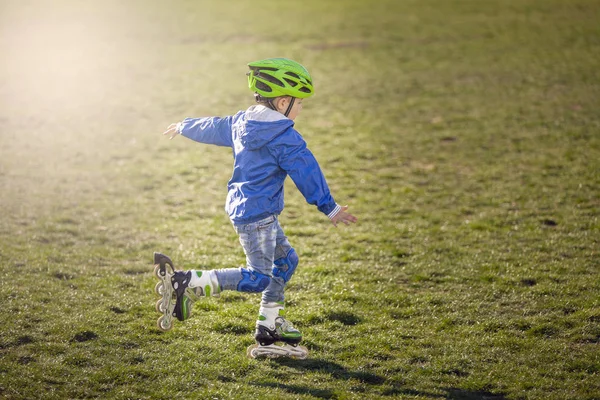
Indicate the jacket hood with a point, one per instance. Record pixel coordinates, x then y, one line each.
261 126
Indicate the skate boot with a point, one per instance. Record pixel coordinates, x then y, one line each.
179 290
272 328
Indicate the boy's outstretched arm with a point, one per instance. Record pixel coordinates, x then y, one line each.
343 216
208 130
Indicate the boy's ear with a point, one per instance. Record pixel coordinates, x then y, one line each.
282 102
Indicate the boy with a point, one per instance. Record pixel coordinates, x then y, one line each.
266 149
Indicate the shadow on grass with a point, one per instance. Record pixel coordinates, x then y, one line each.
340 373
302 390
460 394
336 370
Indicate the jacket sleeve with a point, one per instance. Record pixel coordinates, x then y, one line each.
297 160
209 130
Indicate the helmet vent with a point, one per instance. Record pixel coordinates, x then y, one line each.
264 87
305 89
270 78
291 82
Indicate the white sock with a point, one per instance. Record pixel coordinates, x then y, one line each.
268 313
207 280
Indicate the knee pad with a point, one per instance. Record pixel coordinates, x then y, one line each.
253 281
285 267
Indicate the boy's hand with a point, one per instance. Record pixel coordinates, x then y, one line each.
344 217
172 130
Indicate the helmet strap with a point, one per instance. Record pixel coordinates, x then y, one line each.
289 108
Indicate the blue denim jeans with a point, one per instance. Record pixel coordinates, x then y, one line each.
263 242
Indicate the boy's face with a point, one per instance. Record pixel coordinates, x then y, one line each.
283 103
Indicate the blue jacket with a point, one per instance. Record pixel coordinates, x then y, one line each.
266 149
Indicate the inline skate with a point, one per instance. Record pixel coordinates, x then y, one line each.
179 290
272 328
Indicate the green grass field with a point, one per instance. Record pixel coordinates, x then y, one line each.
464 134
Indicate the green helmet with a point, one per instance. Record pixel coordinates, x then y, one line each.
276 77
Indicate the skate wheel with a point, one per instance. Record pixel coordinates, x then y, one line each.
159 288
304 355
160 307
163 324
250 351
157 272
